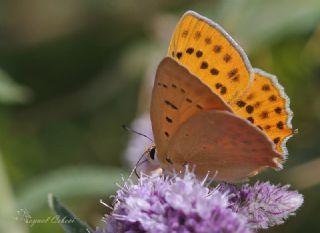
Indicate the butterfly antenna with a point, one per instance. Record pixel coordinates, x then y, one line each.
138 164
133 131
135 172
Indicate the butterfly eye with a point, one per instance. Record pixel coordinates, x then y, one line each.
152 156
152 153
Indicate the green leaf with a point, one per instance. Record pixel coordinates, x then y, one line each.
70 182
69 222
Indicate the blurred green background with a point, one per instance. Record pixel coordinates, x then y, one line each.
73 71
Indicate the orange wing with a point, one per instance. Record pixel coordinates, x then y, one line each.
212 55
266 105
177 95
220 142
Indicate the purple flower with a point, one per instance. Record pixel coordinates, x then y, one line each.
185 204
178 204
263 204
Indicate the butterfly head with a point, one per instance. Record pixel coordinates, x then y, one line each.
151 154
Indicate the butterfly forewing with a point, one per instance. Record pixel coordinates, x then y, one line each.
212 55
177 95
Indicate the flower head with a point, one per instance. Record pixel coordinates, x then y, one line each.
185 204
263 204
178 204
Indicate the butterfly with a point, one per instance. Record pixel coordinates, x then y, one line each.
212 111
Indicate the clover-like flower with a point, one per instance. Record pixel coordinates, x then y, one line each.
185 204
263 204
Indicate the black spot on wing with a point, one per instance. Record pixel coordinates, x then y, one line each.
232 72
280 125
276 140
241 103
189 50
218 85
167 102
223 90
265 87
199 106
272 98
208 40
199 53
179 55
249 108
214 71
250 119
227 58
278 110
168 119
217 48
264 115
204 65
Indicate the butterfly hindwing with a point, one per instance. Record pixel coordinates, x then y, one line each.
267 106
223 144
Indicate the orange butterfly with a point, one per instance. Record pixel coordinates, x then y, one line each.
210 109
